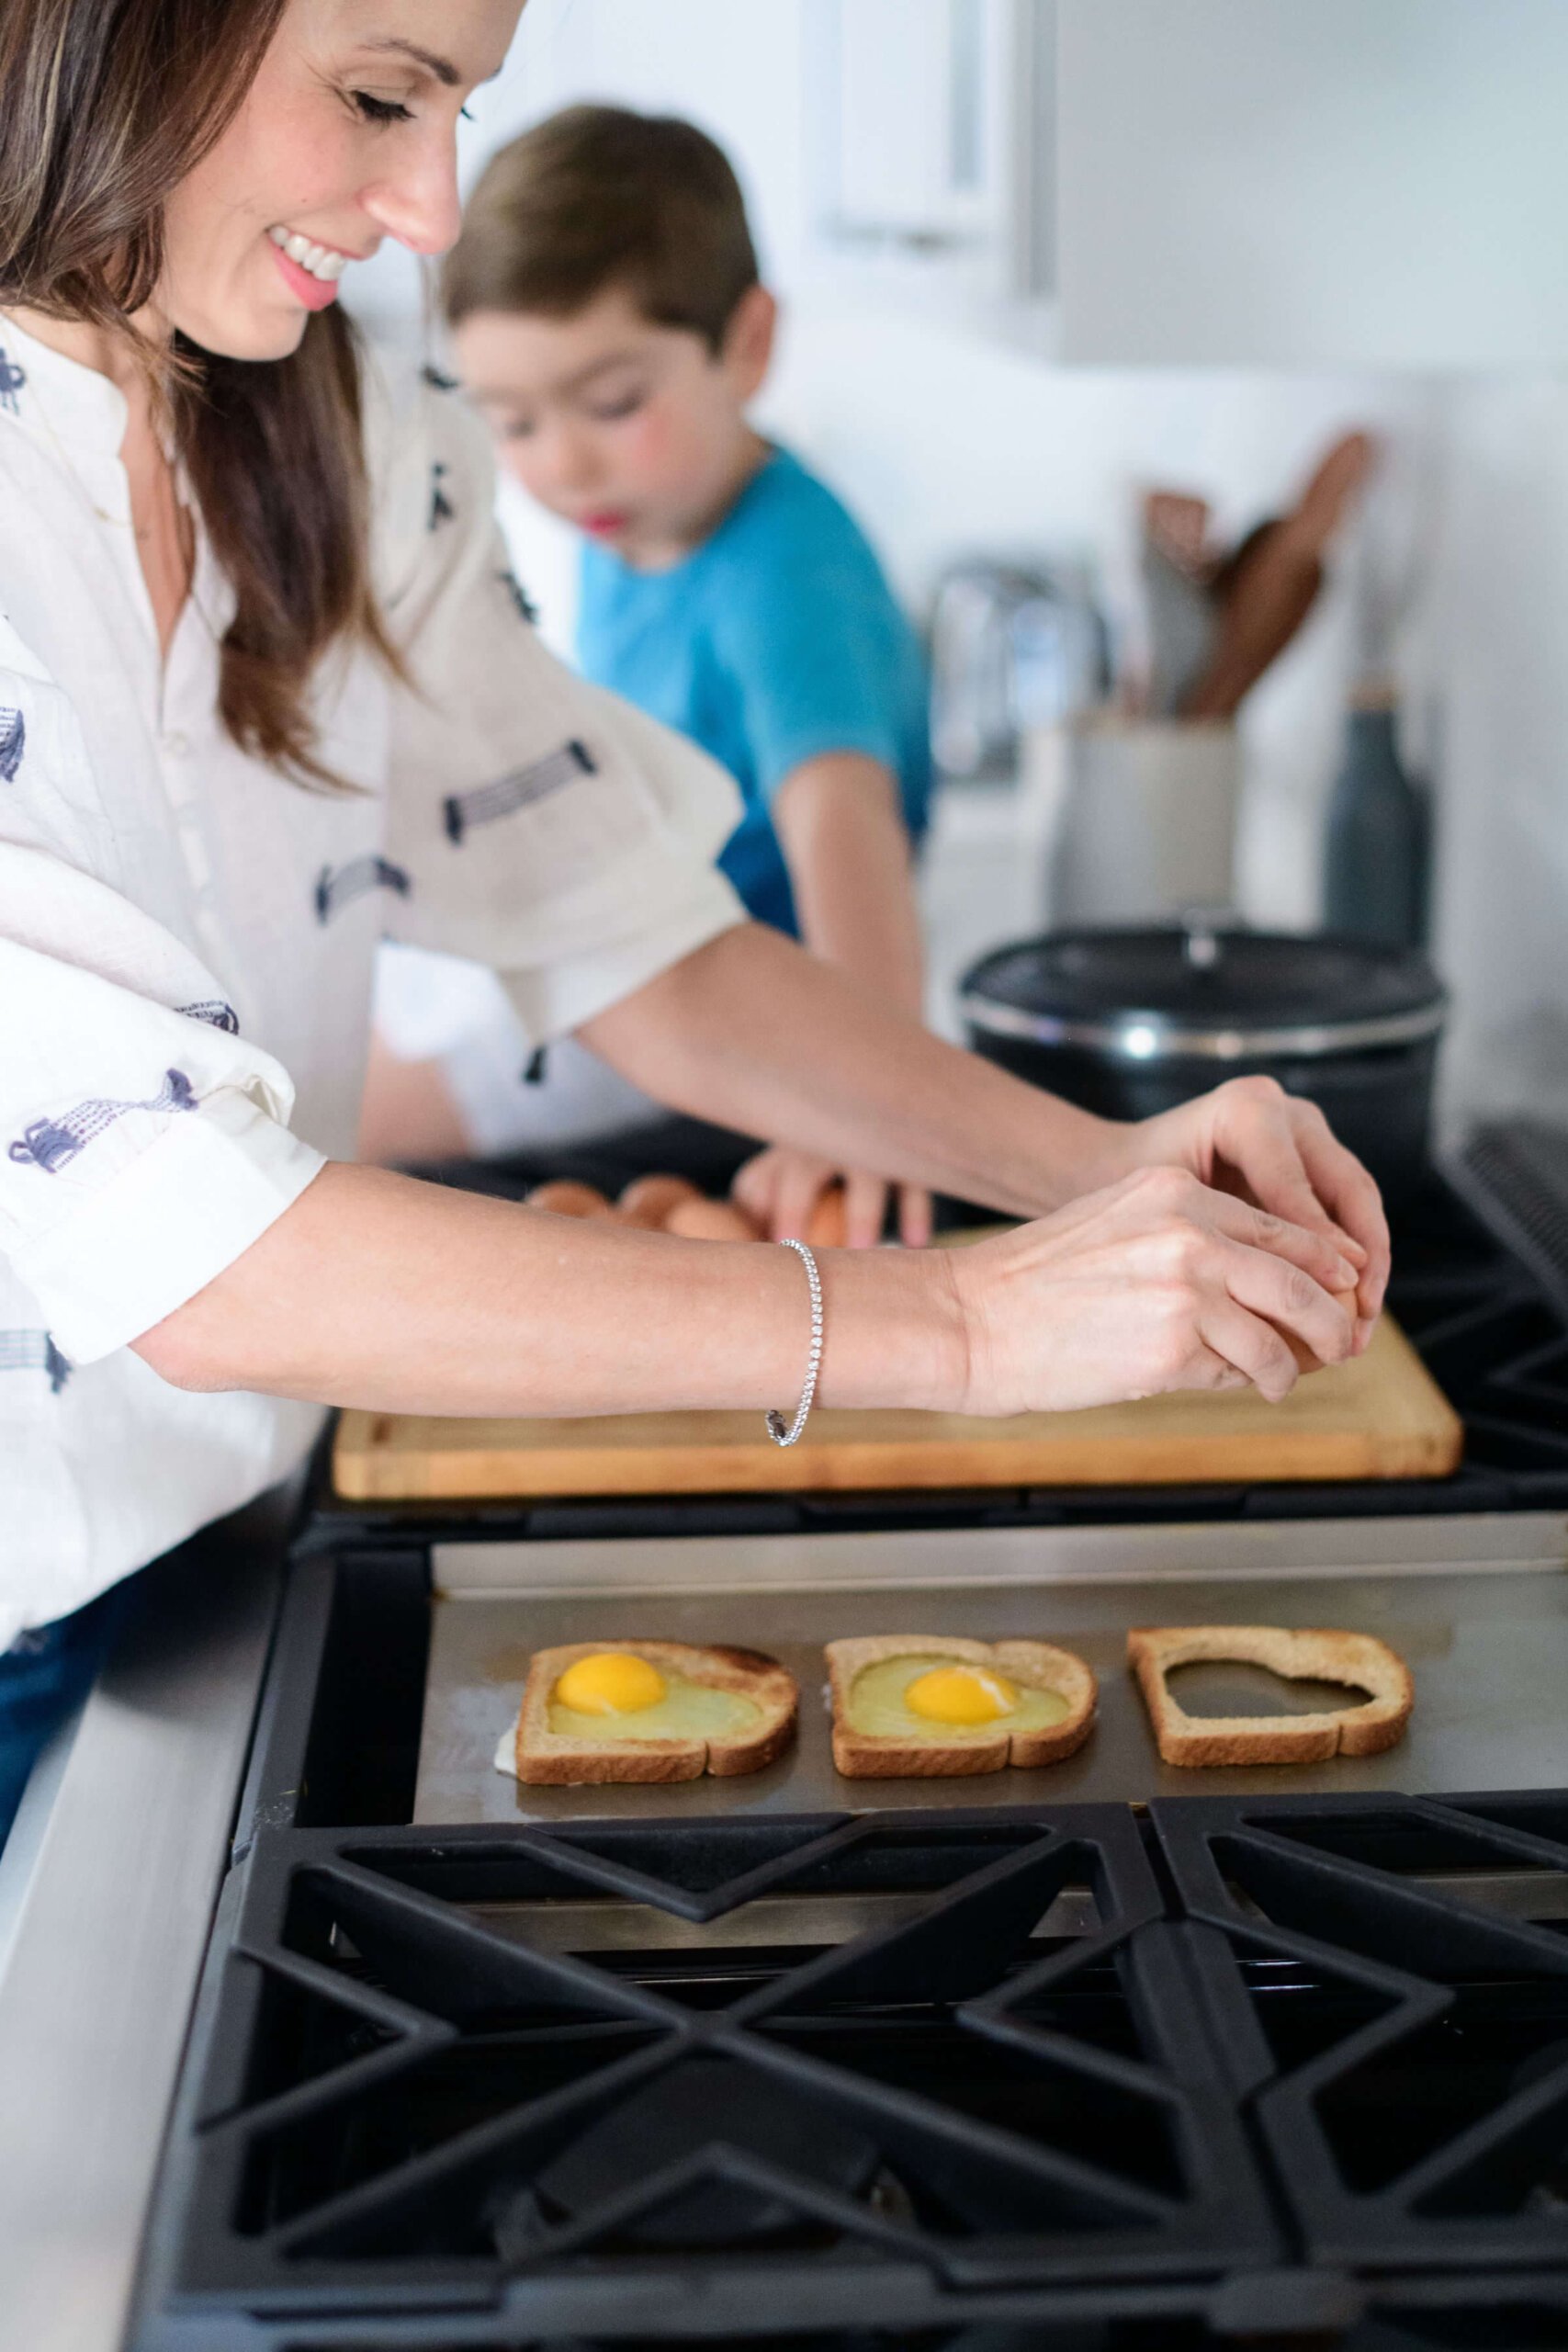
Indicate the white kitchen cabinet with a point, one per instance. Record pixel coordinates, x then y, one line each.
927 167
1312 183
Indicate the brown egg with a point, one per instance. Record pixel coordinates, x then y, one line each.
648 1200
1299 1349
563 1198
703 1220
828 1225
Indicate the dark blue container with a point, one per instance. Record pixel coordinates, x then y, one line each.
1378 882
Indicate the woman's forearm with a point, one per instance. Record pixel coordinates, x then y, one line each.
754 1033
374 1290
378 1291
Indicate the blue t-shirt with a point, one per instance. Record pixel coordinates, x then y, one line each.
776 642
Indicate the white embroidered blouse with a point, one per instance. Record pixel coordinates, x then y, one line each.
187 938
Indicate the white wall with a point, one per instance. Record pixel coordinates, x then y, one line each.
1493 650
944 444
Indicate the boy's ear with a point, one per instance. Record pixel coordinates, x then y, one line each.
748 348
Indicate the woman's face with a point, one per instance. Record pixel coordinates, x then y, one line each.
346 135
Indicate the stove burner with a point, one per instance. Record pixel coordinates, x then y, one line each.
698 2105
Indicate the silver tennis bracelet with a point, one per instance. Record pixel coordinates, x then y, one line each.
777 1430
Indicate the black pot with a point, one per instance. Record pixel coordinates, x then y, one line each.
1131 1022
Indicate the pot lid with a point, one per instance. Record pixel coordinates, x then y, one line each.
1202 990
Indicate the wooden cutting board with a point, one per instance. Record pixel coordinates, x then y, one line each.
1381 1417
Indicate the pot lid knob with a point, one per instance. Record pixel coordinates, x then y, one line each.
1202 929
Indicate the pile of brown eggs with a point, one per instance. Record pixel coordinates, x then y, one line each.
670 1204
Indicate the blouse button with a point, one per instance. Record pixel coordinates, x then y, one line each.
177 745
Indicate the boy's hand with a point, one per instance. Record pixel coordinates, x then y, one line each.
781 1191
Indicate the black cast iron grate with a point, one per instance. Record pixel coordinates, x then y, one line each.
1388 1983
1287 2070
404 2093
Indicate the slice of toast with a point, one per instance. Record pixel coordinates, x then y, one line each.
546 1758
1315 1654
874 1756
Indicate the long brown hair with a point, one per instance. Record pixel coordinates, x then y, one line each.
104 105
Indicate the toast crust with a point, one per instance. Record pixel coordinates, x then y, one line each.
549 1760
1316 1654
877 1756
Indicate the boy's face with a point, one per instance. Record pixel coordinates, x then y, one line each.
634 432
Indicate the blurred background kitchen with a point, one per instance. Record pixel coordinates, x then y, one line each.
1077 298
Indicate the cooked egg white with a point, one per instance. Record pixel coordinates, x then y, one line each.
932 1697
613 1694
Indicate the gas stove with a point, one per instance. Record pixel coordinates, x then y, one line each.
1096 2059
1284 2069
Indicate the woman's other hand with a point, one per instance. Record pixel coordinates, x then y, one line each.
782 1192
1157 1283
1250 1138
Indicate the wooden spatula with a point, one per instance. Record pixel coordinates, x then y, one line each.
1270 583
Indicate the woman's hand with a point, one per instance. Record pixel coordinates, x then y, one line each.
1250 1138
780 1191
753 1033
1157 1283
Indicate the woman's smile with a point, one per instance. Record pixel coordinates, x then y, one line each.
310 270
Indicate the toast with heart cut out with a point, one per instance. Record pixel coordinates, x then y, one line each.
1315 1654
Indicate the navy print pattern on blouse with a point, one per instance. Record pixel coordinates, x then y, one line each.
525 607
13 743
215 1012
519 790
334 892
441 507
12 379
436 381
53 1144
35 1351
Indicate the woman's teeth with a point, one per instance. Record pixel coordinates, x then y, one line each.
319 260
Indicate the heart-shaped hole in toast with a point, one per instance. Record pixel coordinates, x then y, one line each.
1210 1688
1364 1686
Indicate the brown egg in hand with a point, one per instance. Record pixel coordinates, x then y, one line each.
828 1226
703 1220
561 1197
1299 1348
648 1200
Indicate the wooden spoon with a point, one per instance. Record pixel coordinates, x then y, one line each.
1271 583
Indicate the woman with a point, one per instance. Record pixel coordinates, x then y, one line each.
265 693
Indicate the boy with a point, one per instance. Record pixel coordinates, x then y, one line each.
609 321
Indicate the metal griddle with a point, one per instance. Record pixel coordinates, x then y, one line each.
1478 1607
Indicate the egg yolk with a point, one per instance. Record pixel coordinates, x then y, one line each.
961 1694
610 1682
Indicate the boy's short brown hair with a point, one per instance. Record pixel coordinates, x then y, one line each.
599 196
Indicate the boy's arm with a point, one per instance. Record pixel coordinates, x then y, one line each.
842 830
841 826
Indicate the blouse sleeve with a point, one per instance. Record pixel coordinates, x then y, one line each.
550 829
143 1142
